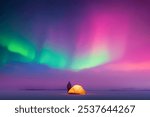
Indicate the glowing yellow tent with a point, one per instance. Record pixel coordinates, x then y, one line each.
77 89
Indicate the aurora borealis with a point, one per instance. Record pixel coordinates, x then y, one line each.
57 50
94 42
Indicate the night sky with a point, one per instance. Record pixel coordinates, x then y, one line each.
101 44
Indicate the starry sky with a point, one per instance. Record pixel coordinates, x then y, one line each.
100 44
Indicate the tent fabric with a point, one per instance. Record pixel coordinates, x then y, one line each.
77 89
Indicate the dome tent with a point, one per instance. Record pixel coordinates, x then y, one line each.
77 89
